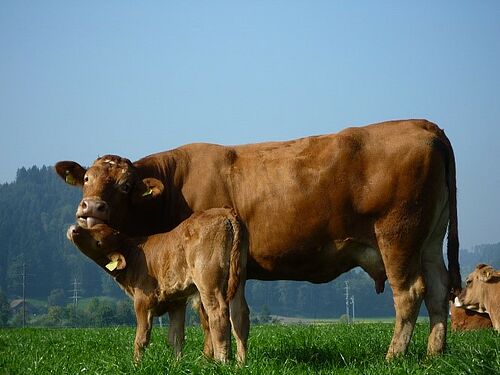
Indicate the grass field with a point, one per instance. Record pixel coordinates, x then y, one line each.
273 349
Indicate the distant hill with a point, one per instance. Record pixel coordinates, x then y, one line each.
37 208
487 254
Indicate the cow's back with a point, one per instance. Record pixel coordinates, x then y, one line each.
296 197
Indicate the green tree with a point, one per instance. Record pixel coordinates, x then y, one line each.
101 313
56 298
125 312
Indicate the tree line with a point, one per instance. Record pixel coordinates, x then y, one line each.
36 210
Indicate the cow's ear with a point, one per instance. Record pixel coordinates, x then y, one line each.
71 172
150 188
486 274
489 275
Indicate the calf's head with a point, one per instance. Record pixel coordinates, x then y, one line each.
101 243
113 191
473 295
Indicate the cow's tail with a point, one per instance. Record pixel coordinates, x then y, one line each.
453 244
235 260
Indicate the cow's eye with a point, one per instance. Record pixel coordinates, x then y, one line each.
467 282
125 187
86 179
98 244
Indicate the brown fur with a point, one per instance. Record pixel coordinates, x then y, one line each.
203 254
380 197
467 320
482 293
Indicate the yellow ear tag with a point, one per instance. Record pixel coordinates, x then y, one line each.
149 192
112 265
70 179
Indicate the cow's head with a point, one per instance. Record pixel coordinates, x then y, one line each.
472 296
113 192
101 243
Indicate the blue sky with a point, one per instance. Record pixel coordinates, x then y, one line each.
82 79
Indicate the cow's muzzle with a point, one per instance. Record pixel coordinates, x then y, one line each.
92 211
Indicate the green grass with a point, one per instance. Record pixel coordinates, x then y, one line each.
274 349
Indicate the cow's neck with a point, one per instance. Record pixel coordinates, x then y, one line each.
492 303
173 208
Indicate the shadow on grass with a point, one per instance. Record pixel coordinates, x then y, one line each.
362 352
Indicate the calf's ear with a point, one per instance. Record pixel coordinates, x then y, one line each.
116 261
71 172
150 188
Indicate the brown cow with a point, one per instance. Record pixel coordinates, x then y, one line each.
467 320
482 293
380 197
204 255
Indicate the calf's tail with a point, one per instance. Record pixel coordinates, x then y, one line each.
235 262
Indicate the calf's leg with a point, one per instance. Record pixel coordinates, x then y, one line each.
218 320
144 319
240 321
208 348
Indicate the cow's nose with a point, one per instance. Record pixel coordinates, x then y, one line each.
90 207
93 208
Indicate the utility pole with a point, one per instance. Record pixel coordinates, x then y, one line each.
24 277
75 291
347 300
352 303
23 274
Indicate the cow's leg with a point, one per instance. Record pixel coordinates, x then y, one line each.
218 319
407 300
437 289
177 315
401 256
144 319
436 301
240 321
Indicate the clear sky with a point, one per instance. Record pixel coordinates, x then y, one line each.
82 79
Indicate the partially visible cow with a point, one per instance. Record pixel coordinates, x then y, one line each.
380 197
205 254
482 293
467 320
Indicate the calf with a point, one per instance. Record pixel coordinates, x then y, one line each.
482 293
205 254
467 320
